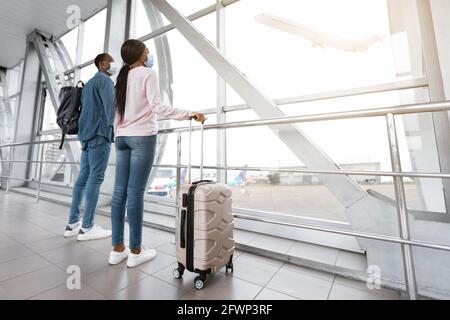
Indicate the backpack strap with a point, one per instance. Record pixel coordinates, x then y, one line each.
63 137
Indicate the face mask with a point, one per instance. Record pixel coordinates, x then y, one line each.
113 68
150 60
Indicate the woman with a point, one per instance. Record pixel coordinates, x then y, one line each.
137 104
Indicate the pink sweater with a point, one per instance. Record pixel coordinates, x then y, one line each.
143 103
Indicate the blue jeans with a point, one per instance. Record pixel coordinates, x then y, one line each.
135 157
93 163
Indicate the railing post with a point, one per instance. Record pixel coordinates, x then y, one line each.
41 163
10 165
411 285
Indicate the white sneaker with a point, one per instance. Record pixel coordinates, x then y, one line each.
137 259
96 232
116 257
70 232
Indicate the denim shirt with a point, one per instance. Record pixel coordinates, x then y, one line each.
98 109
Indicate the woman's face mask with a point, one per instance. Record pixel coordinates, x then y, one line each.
150 60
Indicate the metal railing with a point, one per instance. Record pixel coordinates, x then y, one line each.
397 174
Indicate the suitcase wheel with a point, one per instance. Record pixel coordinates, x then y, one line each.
229 266
199 283
178 273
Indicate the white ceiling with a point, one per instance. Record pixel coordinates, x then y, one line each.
18 18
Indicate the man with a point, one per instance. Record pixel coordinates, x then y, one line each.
95 132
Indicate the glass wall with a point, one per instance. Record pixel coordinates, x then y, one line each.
94 36
70 41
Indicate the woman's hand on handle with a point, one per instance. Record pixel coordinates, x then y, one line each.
200 117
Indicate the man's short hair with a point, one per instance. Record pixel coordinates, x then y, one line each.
101 57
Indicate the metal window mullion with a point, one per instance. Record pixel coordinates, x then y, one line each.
408 264
221 94
79 53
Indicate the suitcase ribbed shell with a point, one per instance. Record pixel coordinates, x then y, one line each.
213 227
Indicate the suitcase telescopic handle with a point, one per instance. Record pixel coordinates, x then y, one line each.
190 152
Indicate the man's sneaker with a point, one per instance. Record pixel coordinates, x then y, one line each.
137 259
96 232
70 232
116 257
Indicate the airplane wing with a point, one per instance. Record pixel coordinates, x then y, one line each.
318 38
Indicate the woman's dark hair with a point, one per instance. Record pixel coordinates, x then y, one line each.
131 51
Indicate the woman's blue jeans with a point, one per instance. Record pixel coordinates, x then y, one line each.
134 158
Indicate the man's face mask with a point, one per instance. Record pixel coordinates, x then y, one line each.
150 60
113 68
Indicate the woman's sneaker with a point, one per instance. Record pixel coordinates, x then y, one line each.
137 259
96 232
72 231
116 257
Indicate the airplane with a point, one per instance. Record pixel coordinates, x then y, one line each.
318 38
238 180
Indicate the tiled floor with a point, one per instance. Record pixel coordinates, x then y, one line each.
34 258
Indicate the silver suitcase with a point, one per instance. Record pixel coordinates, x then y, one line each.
204 227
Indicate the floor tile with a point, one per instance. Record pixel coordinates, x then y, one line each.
225 287
158 263
66 253
14 252
88 263
63 293
33 283
114 278
149 288
268 294
185 284
18 267
49 244
254 270
6 242
300 285
191 296
167 248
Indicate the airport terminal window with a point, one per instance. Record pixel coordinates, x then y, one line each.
49 116
194 80
70 41
88 72
190 7
303 194
283 59
94 36
13 78
140 25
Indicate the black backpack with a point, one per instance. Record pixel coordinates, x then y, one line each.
69 110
